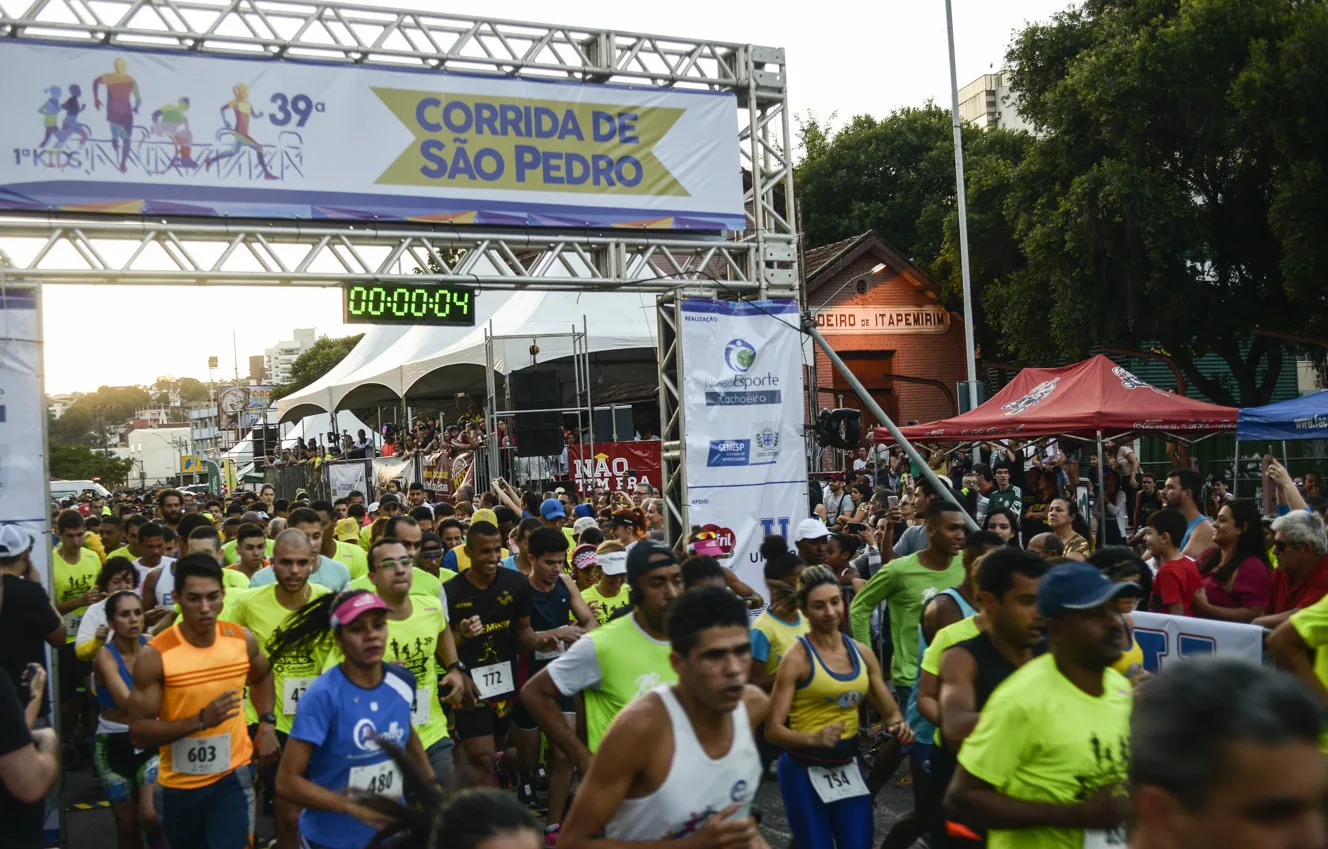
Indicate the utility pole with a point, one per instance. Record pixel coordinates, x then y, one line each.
969 348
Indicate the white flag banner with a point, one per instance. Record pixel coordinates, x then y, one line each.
1166 639
742 399
345 478
22 409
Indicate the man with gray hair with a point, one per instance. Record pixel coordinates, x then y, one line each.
1224 755
1301 577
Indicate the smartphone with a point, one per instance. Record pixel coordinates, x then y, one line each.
892 501
856 527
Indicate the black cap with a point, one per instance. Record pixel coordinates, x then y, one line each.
505 515
389 498
646 555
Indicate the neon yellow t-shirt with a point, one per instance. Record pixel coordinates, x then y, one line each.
232 556
955 632
1042 739
421 583
364 537
72 581
260 612
234 579
607 604
1312 625
772 637
353 558
122 551
412 643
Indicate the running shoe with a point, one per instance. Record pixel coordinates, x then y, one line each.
551 836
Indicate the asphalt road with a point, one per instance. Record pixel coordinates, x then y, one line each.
90 826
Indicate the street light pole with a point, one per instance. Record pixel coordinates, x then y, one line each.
969 348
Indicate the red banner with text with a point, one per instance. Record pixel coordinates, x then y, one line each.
614 466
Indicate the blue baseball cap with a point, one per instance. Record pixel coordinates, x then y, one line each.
584 510
1077 586
552 508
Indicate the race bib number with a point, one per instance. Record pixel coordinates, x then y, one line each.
833 783
201 755
382 779
292 690
493 680
73 620
419 710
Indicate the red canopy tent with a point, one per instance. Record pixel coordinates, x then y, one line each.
1086 399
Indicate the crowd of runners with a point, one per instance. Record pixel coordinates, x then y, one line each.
389 674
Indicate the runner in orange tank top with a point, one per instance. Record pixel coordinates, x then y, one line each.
187 701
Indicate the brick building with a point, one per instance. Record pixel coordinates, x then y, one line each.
879 313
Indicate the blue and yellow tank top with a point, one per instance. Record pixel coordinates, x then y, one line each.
827 697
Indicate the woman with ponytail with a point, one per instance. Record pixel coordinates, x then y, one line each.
780 625
345 718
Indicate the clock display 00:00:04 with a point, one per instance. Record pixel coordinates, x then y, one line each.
423 303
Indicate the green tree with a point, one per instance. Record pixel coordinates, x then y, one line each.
896 176
94 412
80 462
1175 196
321 357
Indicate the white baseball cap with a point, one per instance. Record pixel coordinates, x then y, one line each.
584 523
613 563
811 528
14 541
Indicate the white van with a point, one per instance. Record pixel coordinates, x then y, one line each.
60 490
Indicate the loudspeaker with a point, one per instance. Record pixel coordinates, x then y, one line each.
538 434
613 424
535 389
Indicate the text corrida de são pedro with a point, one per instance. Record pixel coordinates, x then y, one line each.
532 145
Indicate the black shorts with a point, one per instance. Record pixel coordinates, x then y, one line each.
482 721
523 719
73 673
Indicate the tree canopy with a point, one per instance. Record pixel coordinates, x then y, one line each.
321 358
81 462
1171 196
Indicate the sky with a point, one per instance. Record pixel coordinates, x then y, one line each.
845 59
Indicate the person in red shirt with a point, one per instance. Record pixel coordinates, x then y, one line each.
1177 577
1301 577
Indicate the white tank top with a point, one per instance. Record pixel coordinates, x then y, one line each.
165 589
697 786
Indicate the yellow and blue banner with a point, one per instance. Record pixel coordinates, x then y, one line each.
140 131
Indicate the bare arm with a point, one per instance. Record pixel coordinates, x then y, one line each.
941 612
929 705
972 797
792 670
529 640
1290 651
611 778
109 675
1273 620
29 772
881 699
958 699
295 788
585 617
741 589
146 729
1201 539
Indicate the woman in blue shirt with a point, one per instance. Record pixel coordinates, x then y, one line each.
333 756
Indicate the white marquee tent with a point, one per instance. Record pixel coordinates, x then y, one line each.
433 363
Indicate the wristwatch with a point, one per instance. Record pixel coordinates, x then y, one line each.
270 718
457 665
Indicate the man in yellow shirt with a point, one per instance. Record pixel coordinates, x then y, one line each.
1046 765
75 570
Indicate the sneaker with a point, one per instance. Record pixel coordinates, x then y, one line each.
551 836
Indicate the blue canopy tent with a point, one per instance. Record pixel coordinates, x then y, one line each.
1298 418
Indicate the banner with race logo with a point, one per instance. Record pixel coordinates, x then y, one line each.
742 399
614 466
138 131
345 478
1166 639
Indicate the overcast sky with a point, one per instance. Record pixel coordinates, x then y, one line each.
844 57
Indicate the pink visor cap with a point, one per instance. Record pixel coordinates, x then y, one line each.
352 608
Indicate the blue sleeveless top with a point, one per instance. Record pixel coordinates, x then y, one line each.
104 697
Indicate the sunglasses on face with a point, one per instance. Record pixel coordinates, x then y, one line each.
432 554
1283 546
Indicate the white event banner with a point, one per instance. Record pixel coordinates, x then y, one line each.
345 478
1166 639
155 132
742 398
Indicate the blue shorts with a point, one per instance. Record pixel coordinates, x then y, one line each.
846 824
218 816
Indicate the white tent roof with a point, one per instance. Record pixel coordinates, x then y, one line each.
438 361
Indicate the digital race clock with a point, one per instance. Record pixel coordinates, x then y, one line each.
407 303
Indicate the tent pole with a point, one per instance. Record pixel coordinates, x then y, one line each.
861 391
1235 471
1101 494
